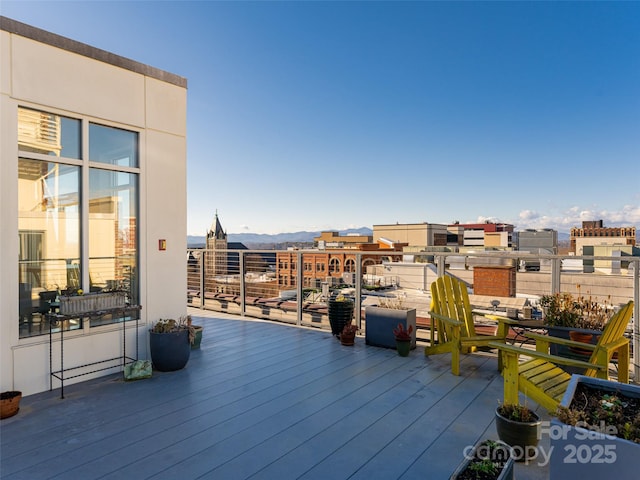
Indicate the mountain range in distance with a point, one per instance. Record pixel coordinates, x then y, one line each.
251 240
259 240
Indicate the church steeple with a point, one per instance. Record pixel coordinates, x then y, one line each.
216 231
216 259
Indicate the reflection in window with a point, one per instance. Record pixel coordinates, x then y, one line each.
113 146
113 242
48 134
49 233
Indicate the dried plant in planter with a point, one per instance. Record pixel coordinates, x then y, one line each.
170 325
593 408
565 310
517 413
394 303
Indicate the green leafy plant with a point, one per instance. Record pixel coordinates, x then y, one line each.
484 467
488 460
402 334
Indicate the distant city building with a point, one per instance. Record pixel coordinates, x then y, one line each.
414 234
216 260
331 264
595 233
487 235
333 239
222 256
543 241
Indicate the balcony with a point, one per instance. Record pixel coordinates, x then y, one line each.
264 400
293 286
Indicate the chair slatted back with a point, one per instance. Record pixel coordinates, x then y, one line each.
451 299
613 330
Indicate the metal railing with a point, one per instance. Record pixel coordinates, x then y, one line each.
293 286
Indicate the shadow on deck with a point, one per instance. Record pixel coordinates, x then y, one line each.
263 400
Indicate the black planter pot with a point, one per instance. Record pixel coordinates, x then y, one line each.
169 351
522 436
340 314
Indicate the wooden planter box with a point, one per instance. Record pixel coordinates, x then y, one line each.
590 455
380 322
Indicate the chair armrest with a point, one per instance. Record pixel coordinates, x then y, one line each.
545 356
445 319
560 341
498 318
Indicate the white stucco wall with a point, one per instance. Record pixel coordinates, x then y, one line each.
53 79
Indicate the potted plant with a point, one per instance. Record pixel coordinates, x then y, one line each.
577 318
170 344
488 460
197 334
340 309
518 426
597 430
9 403
382 319
403 339
348 334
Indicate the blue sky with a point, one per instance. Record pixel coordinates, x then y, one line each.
331 115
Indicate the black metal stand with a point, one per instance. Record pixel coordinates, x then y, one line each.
55 318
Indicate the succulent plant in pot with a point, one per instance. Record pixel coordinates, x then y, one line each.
348 334
403 339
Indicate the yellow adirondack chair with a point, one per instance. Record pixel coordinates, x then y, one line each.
542 380
452 322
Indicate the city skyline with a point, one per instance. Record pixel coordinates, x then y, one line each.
311 116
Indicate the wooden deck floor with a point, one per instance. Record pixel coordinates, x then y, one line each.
263 401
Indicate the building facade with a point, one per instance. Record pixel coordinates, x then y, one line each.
91 145
595 233
414 234
488 235
331 262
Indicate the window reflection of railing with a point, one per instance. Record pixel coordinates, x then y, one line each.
42 281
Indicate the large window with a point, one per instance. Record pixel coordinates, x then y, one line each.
60 210
113 239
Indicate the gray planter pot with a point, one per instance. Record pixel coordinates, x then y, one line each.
586 454
380 322
564 351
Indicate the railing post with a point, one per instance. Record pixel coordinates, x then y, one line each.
556 267
636 321
202 277
440 265
243 292
299 279
358 299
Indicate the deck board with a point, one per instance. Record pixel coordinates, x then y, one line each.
262 400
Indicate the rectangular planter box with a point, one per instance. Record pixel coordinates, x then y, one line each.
380 322
505 474
588 455
92 302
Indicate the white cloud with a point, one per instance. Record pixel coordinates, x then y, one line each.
628 216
